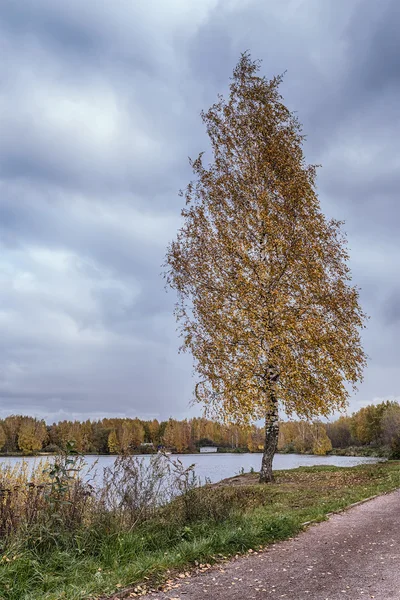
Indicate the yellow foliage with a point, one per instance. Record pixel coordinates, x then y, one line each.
322 444
113 444
3 437
22 473
16 494
265 303
31 435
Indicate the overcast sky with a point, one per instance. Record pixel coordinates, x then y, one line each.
99 110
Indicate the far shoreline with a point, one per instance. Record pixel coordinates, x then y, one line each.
360 452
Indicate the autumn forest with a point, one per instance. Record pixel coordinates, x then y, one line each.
372 427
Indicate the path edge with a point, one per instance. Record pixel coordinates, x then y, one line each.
121 595
345 508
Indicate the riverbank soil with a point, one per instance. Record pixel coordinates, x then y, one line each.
355 554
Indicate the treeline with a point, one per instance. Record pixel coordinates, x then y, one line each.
303 437
117 436
376 426
374 429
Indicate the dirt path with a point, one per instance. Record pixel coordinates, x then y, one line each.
355 555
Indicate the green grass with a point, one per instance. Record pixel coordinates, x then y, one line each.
213 522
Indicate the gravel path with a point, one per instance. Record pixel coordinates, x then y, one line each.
355 555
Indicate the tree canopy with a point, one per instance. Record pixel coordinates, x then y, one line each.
374 426
265 303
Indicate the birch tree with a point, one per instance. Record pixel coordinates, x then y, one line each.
265 303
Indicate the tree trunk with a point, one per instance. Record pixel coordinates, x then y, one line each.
271 440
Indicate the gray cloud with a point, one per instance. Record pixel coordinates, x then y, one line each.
99 109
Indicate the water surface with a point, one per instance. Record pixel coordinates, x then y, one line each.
215 467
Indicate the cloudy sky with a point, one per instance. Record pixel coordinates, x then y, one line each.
99 110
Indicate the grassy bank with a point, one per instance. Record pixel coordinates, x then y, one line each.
103 554
372 451
367 451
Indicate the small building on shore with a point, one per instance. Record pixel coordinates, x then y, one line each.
208 449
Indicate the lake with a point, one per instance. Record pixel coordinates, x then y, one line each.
220 466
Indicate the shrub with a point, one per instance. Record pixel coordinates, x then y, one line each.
21 495
48 504
395 449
